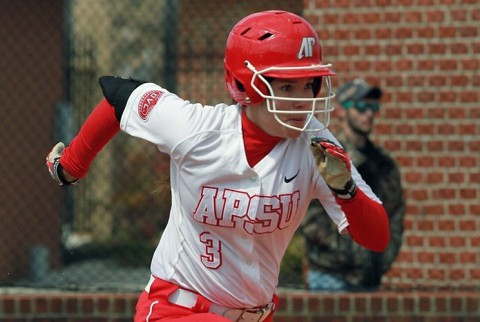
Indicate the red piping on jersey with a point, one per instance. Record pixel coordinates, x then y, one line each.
99 128
368 221
257 143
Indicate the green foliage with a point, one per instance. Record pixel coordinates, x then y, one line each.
291 268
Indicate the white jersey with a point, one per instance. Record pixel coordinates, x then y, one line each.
230 224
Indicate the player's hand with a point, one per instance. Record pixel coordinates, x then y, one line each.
333 163
54 167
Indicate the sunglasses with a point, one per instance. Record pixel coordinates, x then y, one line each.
362 106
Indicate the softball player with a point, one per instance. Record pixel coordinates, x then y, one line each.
242 176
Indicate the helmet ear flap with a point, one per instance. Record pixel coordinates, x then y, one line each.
263 87
239 85
233 85
253 97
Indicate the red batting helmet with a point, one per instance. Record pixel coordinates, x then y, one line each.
272 44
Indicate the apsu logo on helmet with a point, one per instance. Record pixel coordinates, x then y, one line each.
306 49
147 103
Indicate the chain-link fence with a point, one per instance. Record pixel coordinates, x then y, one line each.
107 227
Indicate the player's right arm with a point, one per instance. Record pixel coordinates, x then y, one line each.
69 164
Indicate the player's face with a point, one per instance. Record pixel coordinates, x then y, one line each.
291 88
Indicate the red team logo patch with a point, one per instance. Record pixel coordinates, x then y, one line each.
147 103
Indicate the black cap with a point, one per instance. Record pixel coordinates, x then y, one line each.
356 90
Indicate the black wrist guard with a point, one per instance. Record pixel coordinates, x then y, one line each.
58 174
348 192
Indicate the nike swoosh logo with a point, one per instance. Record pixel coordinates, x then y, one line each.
287 180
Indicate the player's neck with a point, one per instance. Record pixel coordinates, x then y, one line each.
256 141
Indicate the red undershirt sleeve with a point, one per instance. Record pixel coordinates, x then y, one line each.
99 128
368 221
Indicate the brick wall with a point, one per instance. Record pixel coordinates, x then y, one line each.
294 307
425 55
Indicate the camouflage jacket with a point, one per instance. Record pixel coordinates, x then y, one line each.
337 254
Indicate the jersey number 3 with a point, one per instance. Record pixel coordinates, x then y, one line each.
212 257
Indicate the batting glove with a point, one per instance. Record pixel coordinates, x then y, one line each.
333 163
54 166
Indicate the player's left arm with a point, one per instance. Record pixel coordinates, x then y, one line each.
368 220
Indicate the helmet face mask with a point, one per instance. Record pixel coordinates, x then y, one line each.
279 45
322 113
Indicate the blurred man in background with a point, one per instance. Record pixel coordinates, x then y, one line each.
335 262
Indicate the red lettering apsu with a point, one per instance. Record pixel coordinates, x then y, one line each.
256 214
147 103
